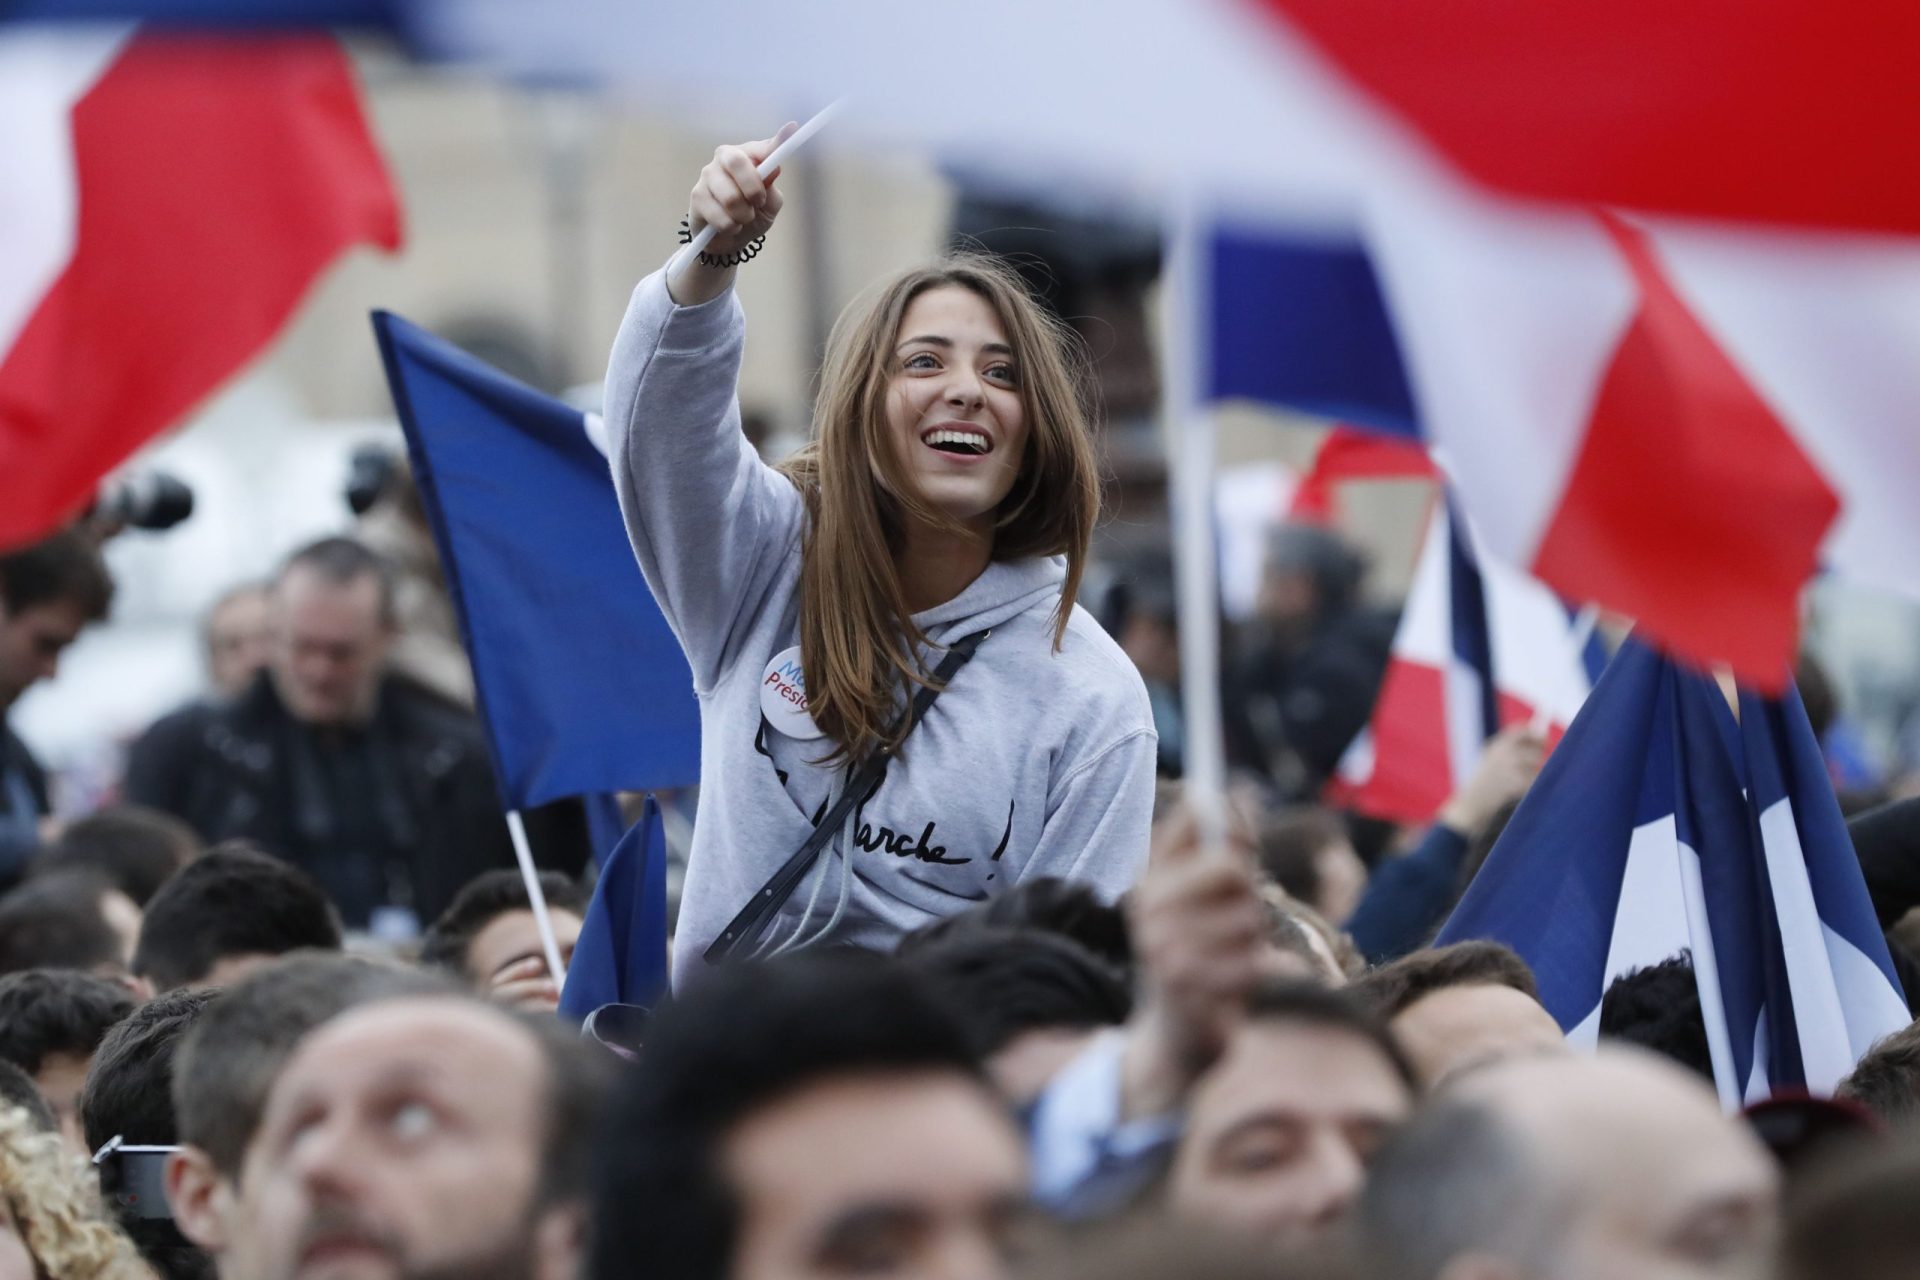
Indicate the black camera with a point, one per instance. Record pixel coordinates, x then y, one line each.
151 500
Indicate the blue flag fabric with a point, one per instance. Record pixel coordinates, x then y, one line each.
621 957
1662 824
582 686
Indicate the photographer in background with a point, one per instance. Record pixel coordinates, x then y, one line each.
49 592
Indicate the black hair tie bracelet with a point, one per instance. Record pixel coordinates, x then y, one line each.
745 253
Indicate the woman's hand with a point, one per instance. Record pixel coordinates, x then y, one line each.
731 197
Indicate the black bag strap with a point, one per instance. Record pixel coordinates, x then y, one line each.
773 895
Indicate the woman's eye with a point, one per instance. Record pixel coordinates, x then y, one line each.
1005 373
921 361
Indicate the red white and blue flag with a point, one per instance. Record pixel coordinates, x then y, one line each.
1480 647
167 201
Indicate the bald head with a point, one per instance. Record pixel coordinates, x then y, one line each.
1614 1165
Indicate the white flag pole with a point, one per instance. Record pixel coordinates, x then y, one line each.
530 876
774 160
1189 432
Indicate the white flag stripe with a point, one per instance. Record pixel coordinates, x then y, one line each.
1706 978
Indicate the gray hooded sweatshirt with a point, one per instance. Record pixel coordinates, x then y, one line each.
1031 763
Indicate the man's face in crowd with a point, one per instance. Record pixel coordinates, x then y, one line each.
60 1079
878 1176
404 1141
508 947
329 645
1661 1185
239 640
1281 1130
31 642
1456 1029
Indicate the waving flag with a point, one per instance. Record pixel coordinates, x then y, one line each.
1660 825
581 685
621 957
167 202
1480 647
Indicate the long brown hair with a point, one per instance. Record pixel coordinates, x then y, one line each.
858 642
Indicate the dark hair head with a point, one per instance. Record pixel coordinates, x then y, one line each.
17 1089
1002 983
341 561
1658 1008
230 1057
580 1079
65 566
1393 988
1854 1217
49 1011
232 901
1453 1180
1312 1004
740 1040
1047 903
129 1085
54 921
1887 1081
128 1096
134 848
1290 845
483 899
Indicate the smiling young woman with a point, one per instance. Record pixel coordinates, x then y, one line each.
942 509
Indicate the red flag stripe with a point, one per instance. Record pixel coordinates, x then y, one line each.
216 179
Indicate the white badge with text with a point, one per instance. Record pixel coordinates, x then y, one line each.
783 696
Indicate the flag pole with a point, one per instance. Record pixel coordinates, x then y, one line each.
1189 432
529 876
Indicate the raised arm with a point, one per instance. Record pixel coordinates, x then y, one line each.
710 524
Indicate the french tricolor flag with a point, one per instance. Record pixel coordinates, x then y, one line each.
167 201
1677 817
1480 647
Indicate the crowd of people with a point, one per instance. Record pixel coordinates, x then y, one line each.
1014 1005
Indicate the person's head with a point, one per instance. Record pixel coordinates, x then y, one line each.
1028 1000
332 611
1309 572
1301 944
67 919
489 926
1457 1007
1887 1080
1571 1168
129 1096
52 1226
950 403
134 848
1853 1218
1143 619
1305 850
51 1023
228 912
1658 1008
429 1138
224 1069
1281 1129
49 592
807 1117
238 635
1047 903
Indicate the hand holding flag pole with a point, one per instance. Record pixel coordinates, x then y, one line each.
766 168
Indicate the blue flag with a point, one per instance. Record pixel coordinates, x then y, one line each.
1662 824
582 687
621 957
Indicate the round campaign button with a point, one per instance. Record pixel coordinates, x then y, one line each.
783 696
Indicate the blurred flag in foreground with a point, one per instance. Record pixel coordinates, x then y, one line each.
621 957
1660 825
167 202
1480 647
581 685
